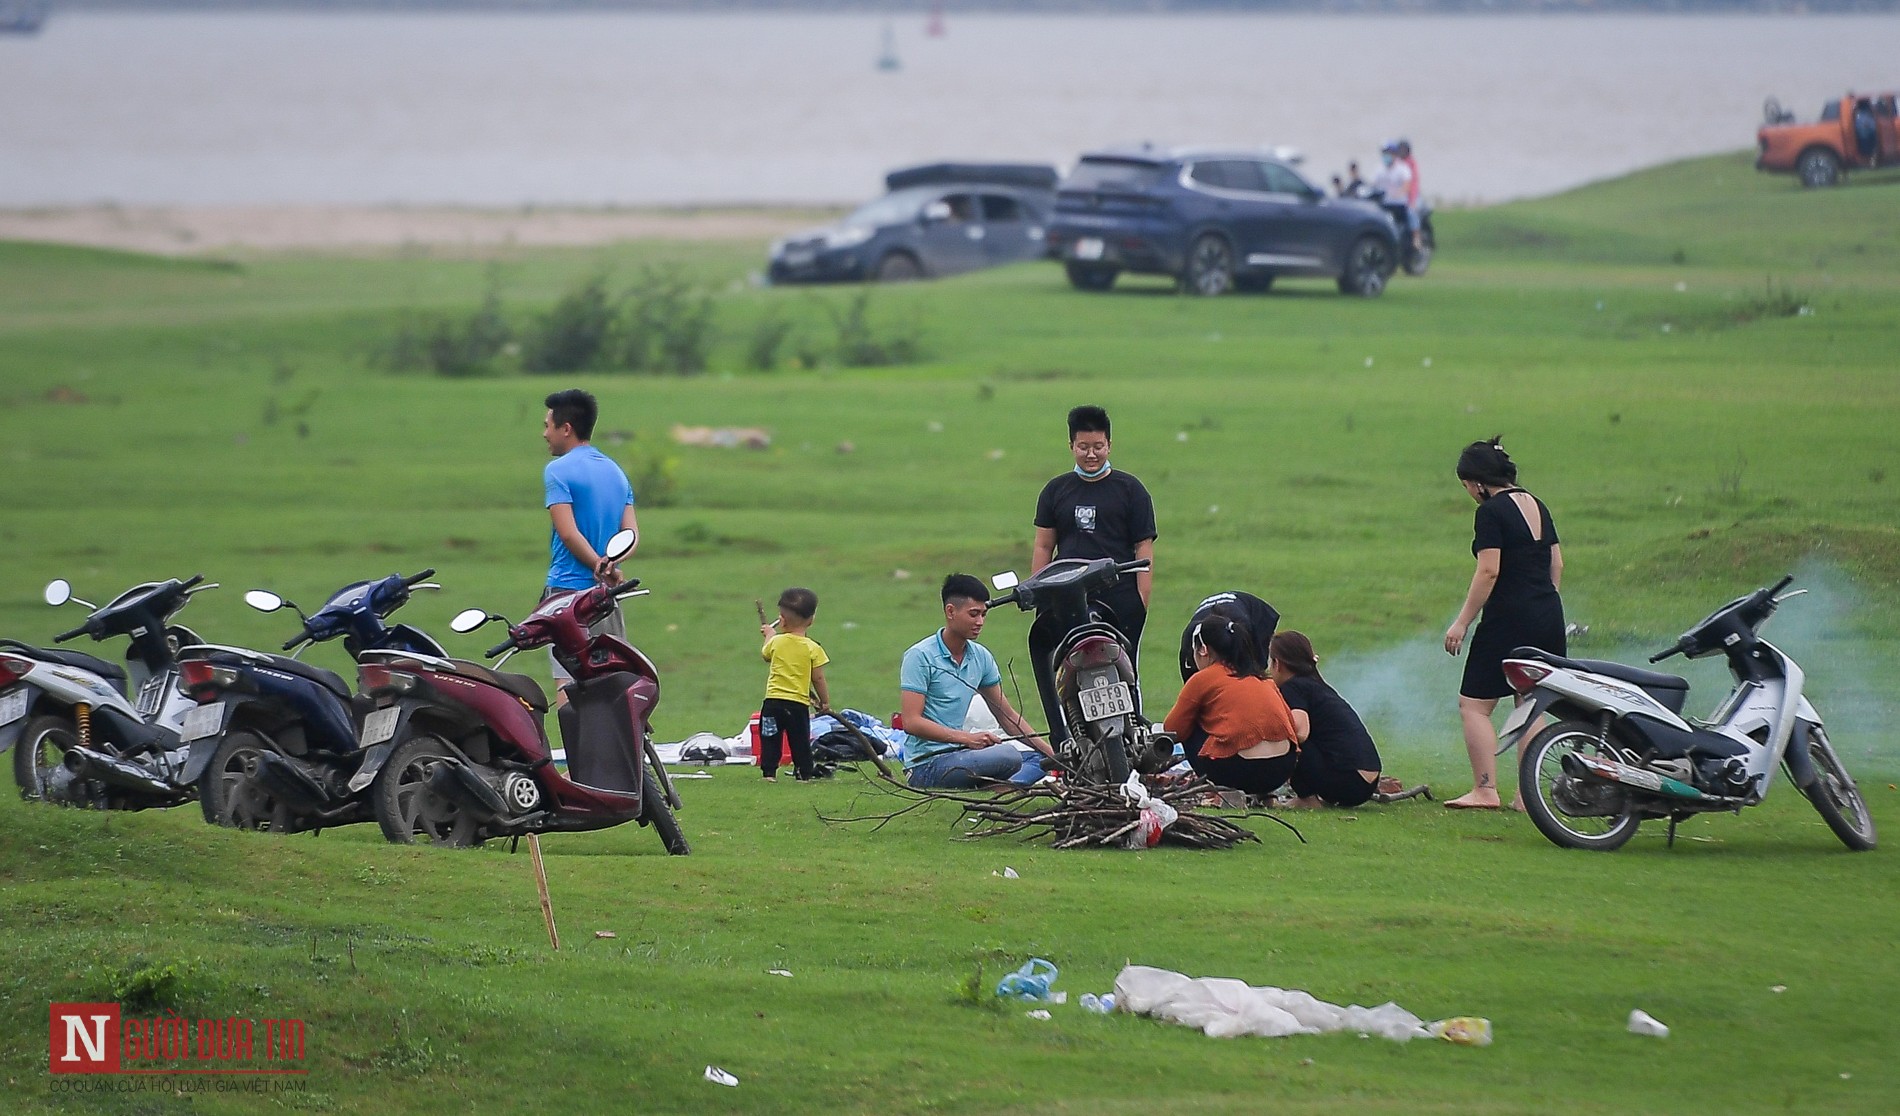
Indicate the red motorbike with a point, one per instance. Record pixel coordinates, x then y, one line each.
458 752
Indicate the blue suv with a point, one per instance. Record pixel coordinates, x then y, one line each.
1215 220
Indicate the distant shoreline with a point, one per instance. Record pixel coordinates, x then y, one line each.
961 8
346 229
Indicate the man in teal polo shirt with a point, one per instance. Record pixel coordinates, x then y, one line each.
940 676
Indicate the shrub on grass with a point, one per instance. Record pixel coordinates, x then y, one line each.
768 335
449 346
860 344
572 335
668 324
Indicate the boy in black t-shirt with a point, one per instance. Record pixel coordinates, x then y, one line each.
1092 511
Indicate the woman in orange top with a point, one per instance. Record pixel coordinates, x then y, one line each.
1230 718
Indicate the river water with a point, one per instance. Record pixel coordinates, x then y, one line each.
633 109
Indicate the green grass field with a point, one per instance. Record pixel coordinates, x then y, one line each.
1642 346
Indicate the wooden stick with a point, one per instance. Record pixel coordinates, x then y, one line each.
541 883
760 605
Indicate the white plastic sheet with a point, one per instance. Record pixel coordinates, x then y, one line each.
1223 1008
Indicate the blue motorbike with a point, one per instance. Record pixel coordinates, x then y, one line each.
273 739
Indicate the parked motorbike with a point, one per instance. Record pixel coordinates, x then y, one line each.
82 739
1415 258
459 752
1093 668
1621 753
273 740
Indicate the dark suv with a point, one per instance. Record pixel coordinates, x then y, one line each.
1215 220
937 220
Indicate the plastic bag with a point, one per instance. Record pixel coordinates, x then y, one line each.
1156 815
1221 1008
1029 983
1465 1030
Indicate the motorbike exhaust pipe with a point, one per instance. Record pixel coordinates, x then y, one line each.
286 781
455 780
1611 771
86 763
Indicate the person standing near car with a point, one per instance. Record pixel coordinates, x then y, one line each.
1092 511
589 500
1412 194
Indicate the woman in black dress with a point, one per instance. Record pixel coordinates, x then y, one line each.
1519 569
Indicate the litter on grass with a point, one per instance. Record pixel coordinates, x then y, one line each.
1031 983
1643 1023
1038 1014
1224 1008
720 1077
779 972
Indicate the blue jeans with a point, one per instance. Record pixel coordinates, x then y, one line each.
962 768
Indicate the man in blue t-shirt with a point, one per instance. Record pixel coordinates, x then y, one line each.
940 675
588 499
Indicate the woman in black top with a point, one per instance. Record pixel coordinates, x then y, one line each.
1519 569
1339 764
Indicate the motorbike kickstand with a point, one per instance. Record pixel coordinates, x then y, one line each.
1673 819
514 843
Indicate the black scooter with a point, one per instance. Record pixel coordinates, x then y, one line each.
1093 668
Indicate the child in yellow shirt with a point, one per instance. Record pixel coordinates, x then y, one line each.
797 672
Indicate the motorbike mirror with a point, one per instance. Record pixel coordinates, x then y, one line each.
1004 581
621 544
263 600
468 620
58 592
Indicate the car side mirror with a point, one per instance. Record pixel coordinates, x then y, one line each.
1005 581
936 212
263 600
468 620
58 592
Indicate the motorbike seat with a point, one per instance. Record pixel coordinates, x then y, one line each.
111 672
520 685
1623 673
328 679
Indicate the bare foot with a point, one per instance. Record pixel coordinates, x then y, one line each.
771 778
1517 802
1315 802
1475 800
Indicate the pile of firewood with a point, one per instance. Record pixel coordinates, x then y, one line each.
1073 815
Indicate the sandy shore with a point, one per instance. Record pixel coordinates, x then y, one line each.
355 229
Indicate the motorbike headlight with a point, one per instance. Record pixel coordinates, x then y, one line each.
848 237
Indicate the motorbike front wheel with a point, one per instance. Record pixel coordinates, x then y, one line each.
409 809
1835 797
653 809
1574 812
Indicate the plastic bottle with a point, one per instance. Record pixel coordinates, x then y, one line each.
1100 1005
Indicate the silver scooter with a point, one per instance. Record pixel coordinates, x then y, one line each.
1620 752
87 732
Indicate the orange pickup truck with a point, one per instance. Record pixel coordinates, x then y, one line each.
1855 132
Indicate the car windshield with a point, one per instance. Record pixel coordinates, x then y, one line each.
891 209
1113 174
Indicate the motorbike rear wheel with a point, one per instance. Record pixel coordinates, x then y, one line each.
653 809
1603 820
1418 257
409 811
1101 760
229 792
41 749
1836 798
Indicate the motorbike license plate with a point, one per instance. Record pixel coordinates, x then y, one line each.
202 721
1100 703
380 725
12 706
1089 248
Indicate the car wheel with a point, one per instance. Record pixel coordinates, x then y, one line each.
1210 266
1369 264
898 267
1086 277
1253 284
1818 167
